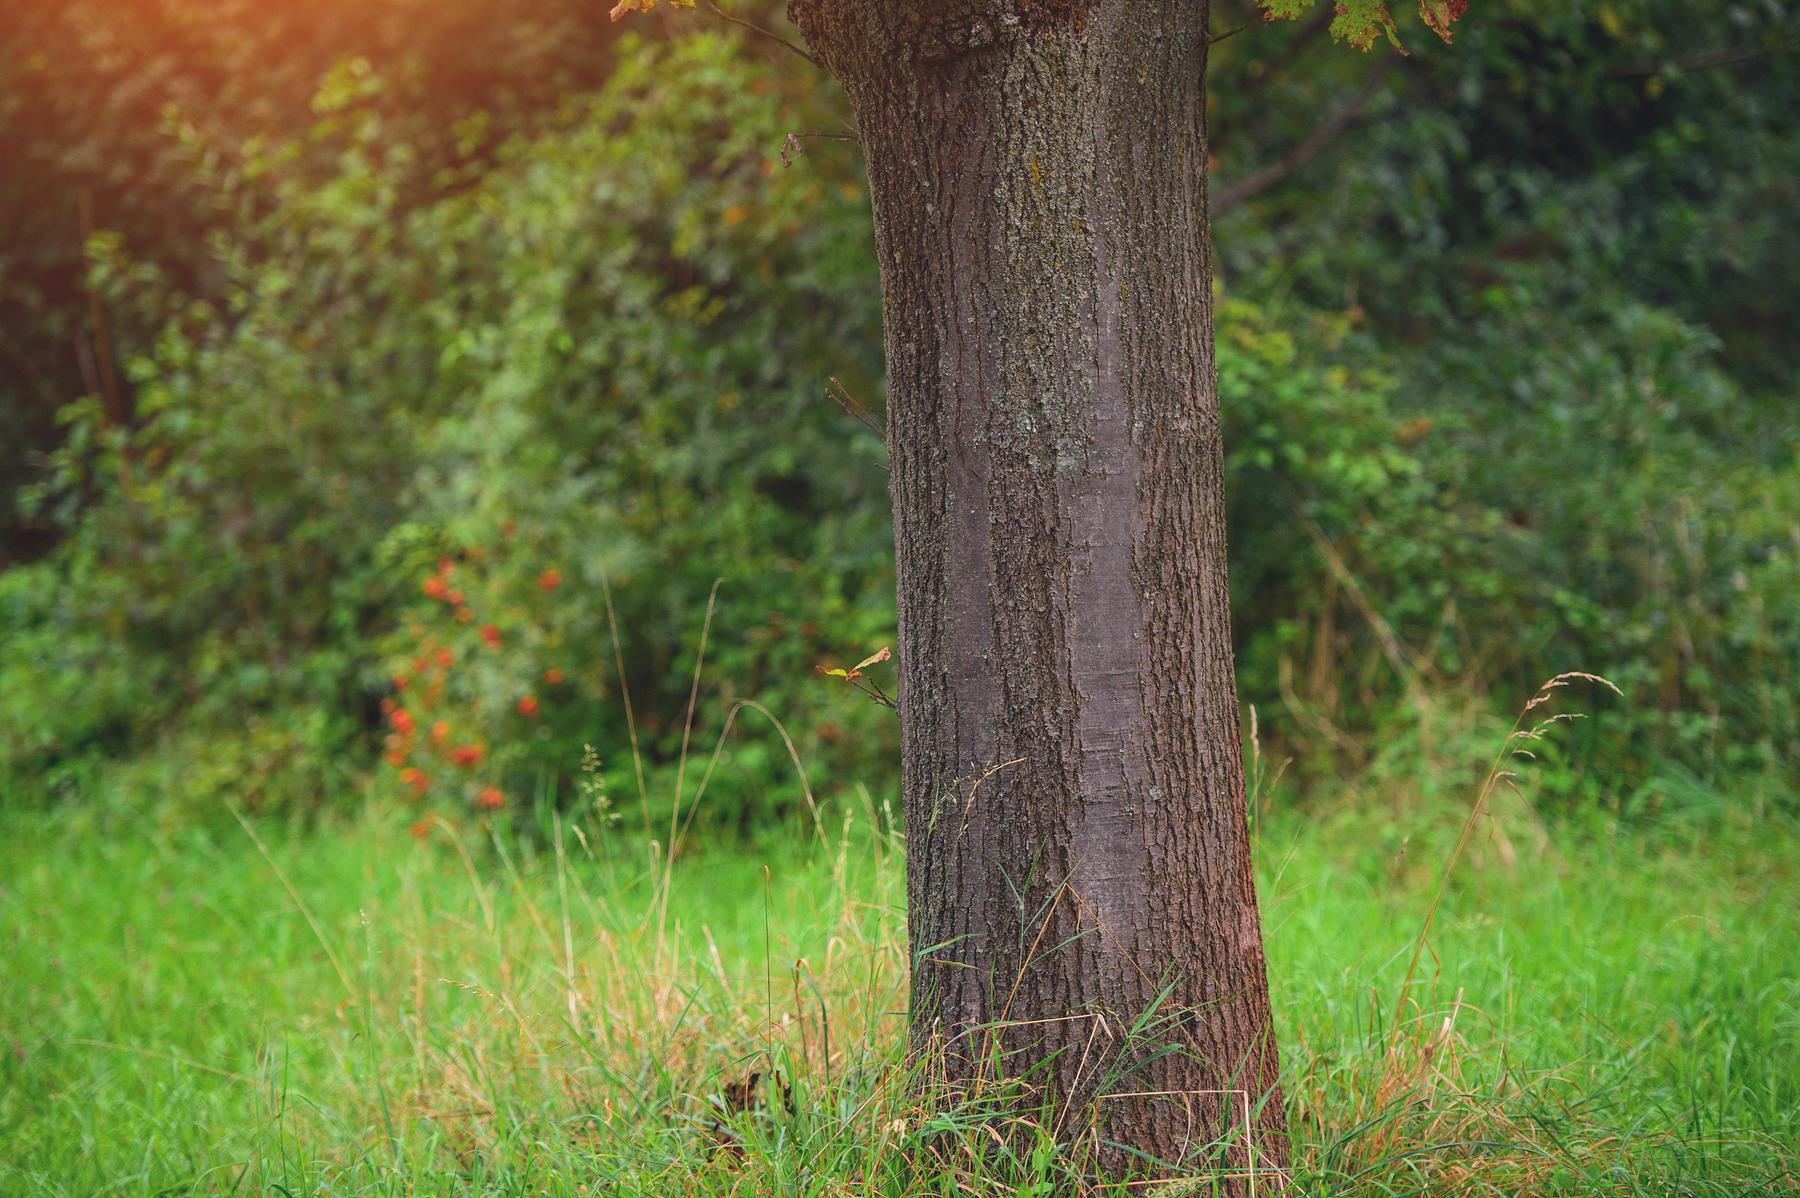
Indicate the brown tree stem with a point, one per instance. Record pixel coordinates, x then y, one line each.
1080 901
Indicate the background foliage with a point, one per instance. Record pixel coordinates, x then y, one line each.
424 380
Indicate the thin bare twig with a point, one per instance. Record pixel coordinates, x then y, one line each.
840 395
792 149
1215 39
753 27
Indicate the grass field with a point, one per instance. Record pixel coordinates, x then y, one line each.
358 1010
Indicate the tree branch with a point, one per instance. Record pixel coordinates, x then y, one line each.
1725 56
753 27
1213 39
1268 176
854 408
1245 86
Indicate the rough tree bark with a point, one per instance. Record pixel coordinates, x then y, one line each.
1074 793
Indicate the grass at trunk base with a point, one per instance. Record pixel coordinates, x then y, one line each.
356 1011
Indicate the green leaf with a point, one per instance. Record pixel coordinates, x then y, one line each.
1359 22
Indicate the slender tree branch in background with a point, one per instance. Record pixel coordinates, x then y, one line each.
753 27
1216 38
1725 56
107 383
1268 176
1245 85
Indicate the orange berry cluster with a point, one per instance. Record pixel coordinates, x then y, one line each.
425 684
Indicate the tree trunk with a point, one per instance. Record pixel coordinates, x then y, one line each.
1077 851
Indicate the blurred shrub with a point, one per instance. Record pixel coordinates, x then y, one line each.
1652 524
1562 243
438 414
614 343
129 118
1571 485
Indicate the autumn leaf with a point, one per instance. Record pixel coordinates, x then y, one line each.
855 676
1438 14
856 671
625 6
1358 23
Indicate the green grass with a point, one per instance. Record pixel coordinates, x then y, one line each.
1596 1013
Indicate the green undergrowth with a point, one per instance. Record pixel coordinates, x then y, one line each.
373 1008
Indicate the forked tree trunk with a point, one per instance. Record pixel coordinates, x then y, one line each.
1074 794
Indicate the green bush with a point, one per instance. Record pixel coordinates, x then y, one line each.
615 344
1562 240
603 351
